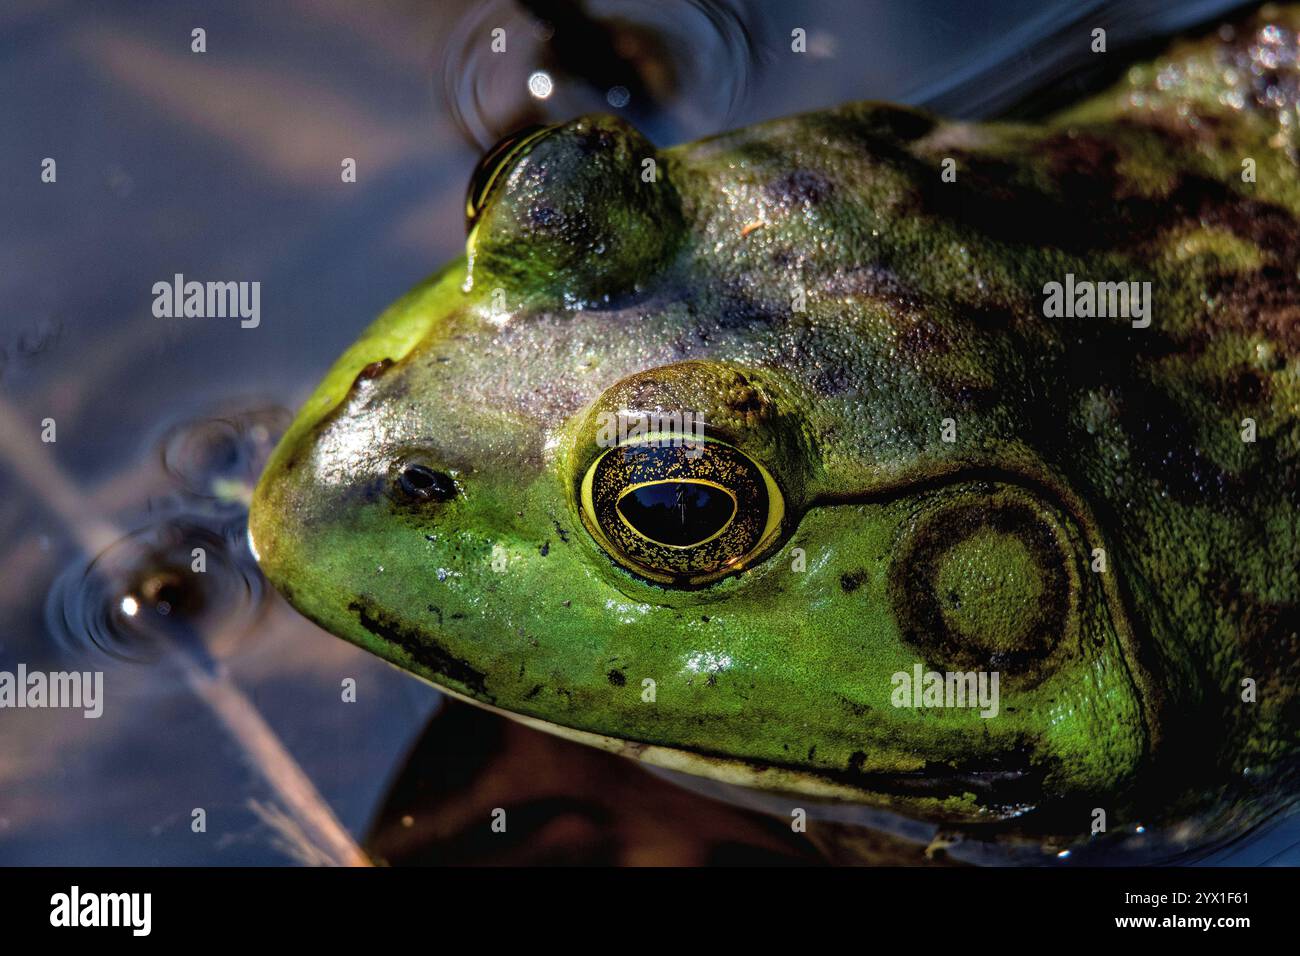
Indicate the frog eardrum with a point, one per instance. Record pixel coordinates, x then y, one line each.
988 578
680 514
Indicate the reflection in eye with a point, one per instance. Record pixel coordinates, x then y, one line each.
681 516
499 157
678 513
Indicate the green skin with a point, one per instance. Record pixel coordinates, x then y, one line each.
586 289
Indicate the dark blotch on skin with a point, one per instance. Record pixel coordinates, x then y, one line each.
423 648
596 140
990 317
973 397
1271 644
1246 387
367 492
744 399
925 337
853 707
872 281
852 580
737 311
1090 204
800 187
546 217
1165 445
1113 360
833 377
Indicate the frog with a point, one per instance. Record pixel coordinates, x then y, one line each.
775 459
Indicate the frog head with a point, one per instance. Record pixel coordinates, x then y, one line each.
611 476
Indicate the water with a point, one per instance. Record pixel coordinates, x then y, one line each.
225 165
677 70
174 586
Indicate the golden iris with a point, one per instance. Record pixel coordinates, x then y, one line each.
678 513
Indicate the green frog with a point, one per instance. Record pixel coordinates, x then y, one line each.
946 469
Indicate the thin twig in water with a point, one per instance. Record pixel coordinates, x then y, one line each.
317 834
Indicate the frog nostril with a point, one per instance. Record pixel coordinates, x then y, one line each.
417 482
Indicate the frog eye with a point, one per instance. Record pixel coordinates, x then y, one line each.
681 514
499 157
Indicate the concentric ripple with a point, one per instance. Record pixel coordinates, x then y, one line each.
171 587
676 68
220 458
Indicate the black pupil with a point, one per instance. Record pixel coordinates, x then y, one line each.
678 513
425 484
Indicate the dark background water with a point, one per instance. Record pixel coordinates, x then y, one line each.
225 165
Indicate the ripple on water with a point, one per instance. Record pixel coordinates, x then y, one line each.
186 581
220 458
676 68
175 586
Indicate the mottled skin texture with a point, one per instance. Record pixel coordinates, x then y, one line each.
587 289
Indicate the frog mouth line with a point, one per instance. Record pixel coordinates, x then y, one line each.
1006 783
1011 789
991 788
